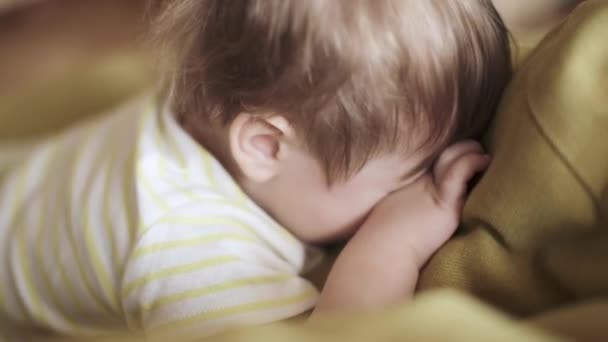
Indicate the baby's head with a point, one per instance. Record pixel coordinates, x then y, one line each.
320 108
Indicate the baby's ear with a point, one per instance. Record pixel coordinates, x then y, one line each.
258 145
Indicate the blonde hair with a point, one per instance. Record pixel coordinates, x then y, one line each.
354 77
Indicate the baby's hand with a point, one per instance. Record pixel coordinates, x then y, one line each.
380 264
426 213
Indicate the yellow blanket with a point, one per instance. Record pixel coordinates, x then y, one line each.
535 231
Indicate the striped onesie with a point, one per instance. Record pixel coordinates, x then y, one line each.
125 222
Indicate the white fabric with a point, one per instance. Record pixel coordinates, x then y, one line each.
126 221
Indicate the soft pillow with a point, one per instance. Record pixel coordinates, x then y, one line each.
535 229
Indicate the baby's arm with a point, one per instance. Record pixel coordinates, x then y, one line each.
380 264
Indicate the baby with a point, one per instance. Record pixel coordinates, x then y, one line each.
289 124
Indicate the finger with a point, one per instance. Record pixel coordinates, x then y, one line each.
453 186
451 154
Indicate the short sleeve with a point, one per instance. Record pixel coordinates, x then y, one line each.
207 276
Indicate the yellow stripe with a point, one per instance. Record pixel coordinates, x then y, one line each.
129 198
284 233
207 159
107 215
209 169
19 197
229 285
222 220
239 309
159 201
81 270
148 119
38 312
107 285
239 204
54 298
74 244
163 166
162 163
135 166
241 201
194 197
242 206
162 246
163 129
24 259
166 177
203 221
67 282
153 276
242 198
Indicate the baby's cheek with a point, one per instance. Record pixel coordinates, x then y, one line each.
342 224
345 207
358 217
